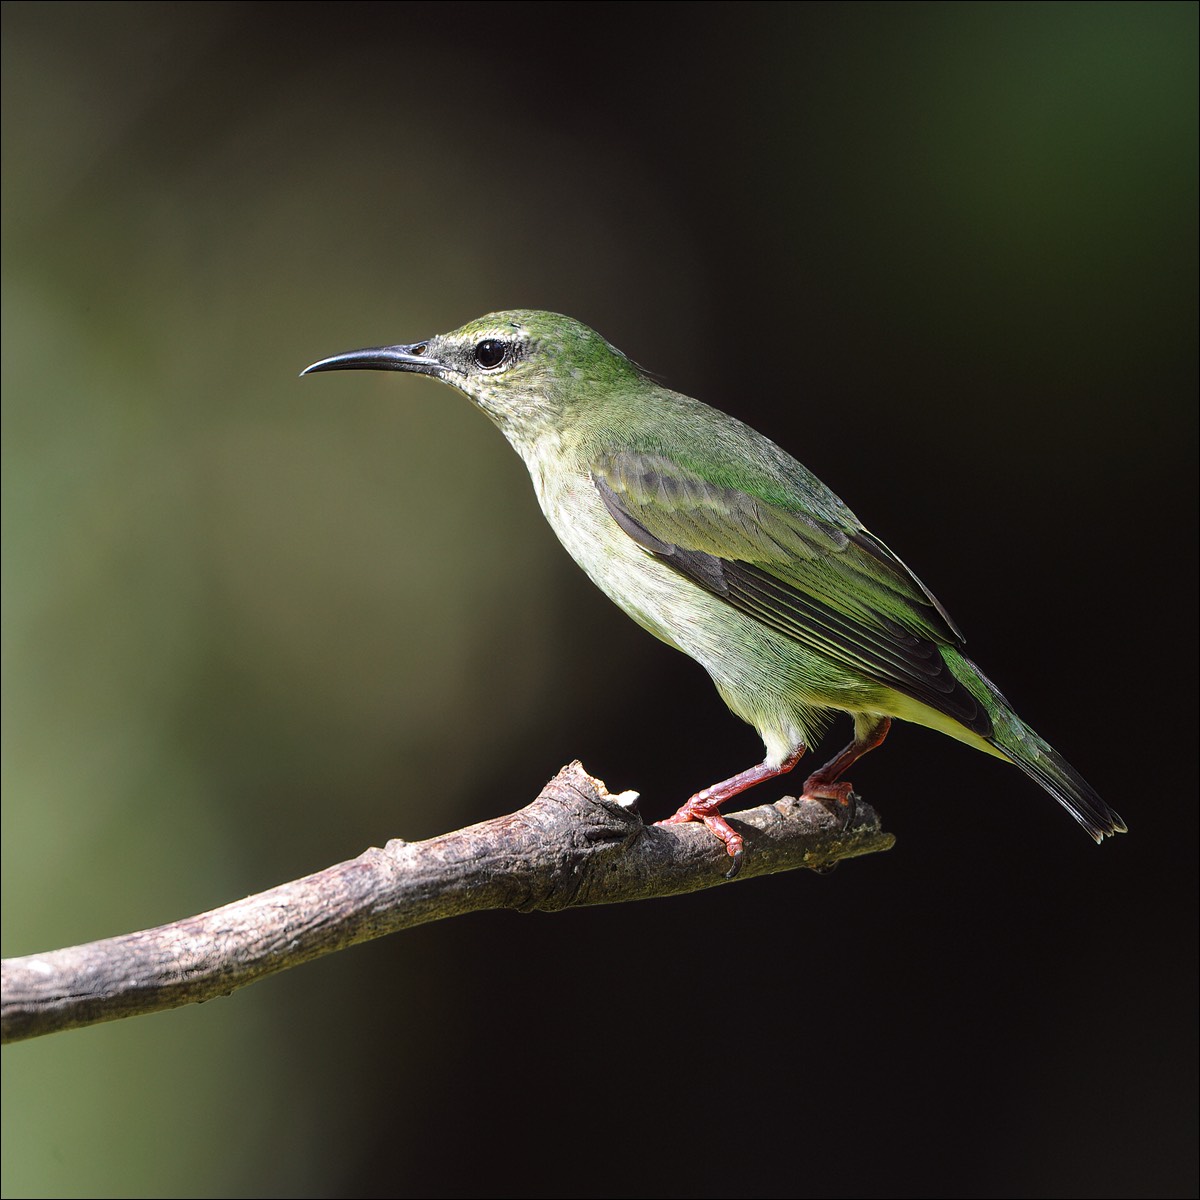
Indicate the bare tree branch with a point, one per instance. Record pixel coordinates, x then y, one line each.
575 844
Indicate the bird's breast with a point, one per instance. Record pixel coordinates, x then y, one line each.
649 592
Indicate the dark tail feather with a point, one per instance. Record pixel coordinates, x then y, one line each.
1039 760
1045 765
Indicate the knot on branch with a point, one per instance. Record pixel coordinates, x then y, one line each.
573 832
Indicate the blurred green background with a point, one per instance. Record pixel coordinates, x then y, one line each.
946 254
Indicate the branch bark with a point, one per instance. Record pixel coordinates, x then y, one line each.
575 844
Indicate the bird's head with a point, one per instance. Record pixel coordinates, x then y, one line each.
525 369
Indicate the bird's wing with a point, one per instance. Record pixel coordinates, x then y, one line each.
806 570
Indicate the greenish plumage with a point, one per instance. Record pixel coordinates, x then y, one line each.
721 544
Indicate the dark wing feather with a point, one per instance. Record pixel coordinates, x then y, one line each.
826 583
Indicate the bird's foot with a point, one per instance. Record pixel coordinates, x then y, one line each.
704 805
699 808
826 785
838 798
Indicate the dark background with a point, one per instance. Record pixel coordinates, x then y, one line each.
945 254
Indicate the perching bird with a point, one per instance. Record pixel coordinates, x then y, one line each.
721 544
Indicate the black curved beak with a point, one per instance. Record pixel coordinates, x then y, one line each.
415 357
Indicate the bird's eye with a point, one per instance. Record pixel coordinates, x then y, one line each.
490 353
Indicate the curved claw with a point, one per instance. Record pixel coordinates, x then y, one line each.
737 855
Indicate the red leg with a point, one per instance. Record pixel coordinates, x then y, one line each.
823 783
704 804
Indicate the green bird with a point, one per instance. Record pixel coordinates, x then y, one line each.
720 543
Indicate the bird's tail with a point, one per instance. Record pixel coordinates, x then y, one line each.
1037 758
